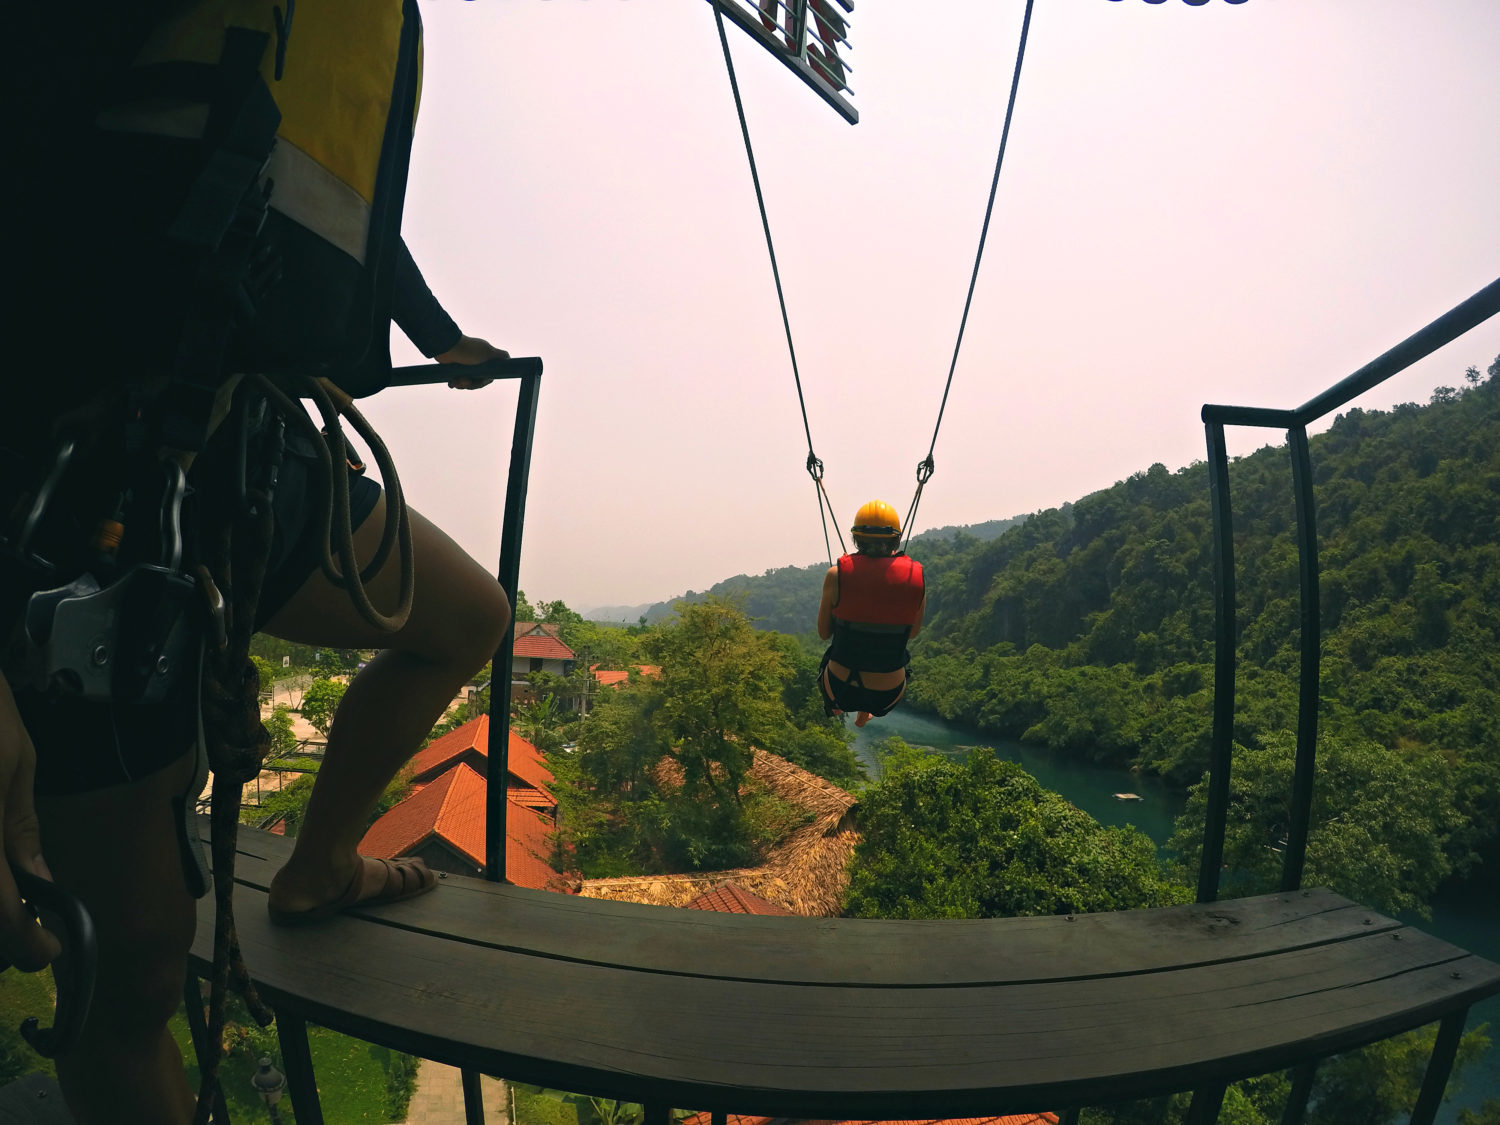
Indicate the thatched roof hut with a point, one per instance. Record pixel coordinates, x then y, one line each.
806 873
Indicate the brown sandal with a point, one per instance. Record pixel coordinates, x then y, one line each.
404 878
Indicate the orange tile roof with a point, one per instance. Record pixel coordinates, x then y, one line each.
538 640
452 808
524 761
609 677
530 797
731 898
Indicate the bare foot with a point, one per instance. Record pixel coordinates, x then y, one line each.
864 717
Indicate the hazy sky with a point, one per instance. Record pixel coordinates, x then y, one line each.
1223 203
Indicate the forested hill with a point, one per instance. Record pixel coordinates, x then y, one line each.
785 599
1092 629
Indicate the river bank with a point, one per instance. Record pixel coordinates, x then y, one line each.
1467 914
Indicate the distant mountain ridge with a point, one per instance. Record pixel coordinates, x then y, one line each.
628 614
785 599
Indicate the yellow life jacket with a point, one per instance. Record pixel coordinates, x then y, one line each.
332 70
338 81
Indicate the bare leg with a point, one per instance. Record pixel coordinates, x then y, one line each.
116 849
459 614
862 718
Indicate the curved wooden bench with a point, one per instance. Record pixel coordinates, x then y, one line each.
841 1018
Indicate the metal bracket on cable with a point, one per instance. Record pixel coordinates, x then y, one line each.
814 466
925 469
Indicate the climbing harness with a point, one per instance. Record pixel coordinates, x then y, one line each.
253 225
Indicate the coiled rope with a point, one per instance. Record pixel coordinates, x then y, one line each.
235 545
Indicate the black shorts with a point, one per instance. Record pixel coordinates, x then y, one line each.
852 695
82 746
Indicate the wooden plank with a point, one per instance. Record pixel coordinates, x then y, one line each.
33 1100
854 951
847 1049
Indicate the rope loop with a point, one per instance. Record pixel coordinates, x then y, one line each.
814 466
925 469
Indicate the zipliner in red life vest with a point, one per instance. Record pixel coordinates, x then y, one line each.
880 599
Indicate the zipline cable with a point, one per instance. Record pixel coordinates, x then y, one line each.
926 467
814 465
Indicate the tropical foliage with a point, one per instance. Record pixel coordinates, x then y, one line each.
981 839
659 781
1089 628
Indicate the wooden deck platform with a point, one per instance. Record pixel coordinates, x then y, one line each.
838 1018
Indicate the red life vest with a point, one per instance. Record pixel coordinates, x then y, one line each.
880 599
879 590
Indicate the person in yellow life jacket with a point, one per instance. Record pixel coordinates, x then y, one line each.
108 782
873 601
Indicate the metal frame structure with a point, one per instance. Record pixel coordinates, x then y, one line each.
1445 329
800 43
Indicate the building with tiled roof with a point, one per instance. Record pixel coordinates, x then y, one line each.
444 824
609 677
469 745
539 648
731 898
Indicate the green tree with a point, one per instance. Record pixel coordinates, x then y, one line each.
619 742
538 723
279 726
289 803
1487 1114
660 781
1379 1083
320 702
981 839
523 610
608 646
1380 821
266 672
720 696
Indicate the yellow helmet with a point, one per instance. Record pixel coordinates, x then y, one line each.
877 520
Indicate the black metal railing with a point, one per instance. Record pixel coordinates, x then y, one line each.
1446 328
